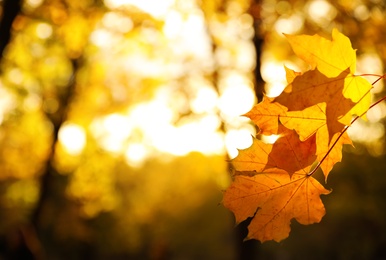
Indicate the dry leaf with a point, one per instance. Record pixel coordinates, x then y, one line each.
273 183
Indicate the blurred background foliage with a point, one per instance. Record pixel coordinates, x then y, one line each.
117 118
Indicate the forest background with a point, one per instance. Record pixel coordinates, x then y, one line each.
117 118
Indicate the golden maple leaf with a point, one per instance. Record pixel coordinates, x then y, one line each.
334 59
261 156
266 116
273 198
273 183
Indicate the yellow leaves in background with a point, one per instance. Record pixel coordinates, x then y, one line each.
161 187
75 33
25 144
93 185
141 136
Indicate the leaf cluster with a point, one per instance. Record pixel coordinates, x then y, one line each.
274 183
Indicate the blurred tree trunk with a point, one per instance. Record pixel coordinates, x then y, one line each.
52 185
29 239
17 241
11 8
248 250
258 41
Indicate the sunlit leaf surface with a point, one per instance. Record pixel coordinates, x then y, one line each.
274 182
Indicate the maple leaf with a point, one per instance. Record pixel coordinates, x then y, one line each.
305 122
306 92
312 88
334 59
272 199
313 120
332 82
266 116
273 183
262 156
330 153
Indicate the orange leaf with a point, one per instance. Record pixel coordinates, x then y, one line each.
327 152
273 183
332 58
272 199
288 153
306 122
313 88
266 116
313 120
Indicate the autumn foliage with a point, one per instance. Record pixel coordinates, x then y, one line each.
273 182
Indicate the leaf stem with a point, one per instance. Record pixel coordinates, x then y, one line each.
371 75
347 126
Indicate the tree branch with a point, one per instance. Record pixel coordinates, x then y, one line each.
11 9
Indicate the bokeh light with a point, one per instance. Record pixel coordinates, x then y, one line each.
118 117
73 138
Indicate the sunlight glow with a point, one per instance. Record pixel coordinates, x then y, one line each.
289 25
179 119
34 3
361 12
371 63
32 102
147 115
198 136
155 119
369 134
7 102
376 113
101 38
135 154
237 98
245 59
244 25
205 100
15 76
274 75
73 138
183 31
112 131
173 24
149 127
237 139
269 139
43 31
156 8
321 11
117 22
194 27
